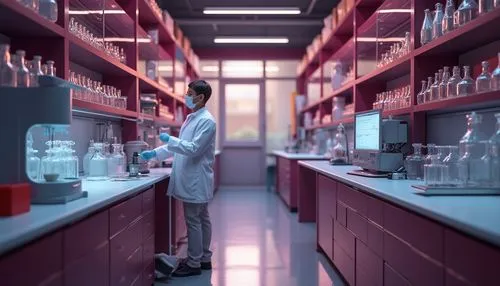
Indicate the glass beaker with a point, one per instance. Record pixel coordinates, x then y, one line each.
451 160
466 86
451 86
8 72
483 81
414 164
98 164
435 172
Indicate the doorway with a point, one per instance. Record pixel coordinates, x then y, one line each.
242 134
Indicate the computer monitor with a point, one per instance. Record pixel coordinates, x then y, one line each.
367 130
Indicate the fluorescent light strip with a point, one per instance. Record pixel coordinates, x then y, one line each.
388 11
374 40
126 40
251 11
251 40
98 12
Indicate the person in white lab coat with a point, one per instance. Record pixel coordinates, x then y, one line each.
192 178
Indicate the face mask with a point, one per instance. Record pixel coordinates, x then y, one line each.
189 101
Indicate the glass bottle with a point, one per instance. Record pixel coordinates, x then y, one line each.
421 94
463 167
48 165
434 172
86 159
32 163
448 17
444 81
483 81
23 74
437 23
8 72
340 152
473 135
48 10
133 167
482 169
451 86
466 86
115 162
451 160
495 154
428 90
467 11
435 86
485 6
495 76
73 161
50 68
36 70
98 164
124 158
414 164
441 152
426 31
431 151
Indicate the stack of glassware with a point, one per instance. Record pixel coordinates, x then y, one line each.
475 163
442 21
88 37
394 99
94 91
396 51
45 8
16 71
60 162
445 85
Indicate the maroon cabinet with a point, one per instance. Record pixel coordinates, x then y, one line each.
284 184
326 212
112 247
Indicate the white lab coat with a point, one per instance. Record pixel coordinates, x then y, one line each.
192 178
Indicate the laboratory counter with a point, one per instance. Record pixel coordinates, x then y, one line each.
380 231
287 177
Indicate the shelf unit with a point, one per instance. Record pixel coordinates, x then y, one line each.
29 31
467 45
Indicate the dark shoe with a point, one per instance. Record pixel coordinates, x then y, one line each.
206 266
185 270
162 266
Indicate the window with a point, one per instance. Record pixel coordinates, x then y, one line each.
281 69
242 112
243 69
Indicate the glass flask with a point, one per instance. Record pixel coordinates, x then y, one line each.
431 151
495 76
98 163
339 154
8 72
473 136
435 86
451 161
23 74
448 22
86 159
48 10
437 23
451 86
36 70
51 70
495 154
435 172
414 164
483 81
426 31
485 6
427 94
466 86
444 82
466 12
421 94
115 162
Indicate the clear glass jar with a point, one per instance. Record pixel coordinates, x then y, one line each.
443 83
483 81
467 85
33 164
48 10
441 152
115 162
98 164
414 164
495 76
463 167
473 136
435 172
86 159
73 161
8 72
431 151
453 168
466 12
451 86
23 74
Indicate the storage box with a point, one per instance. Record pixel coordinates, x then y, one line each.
15 199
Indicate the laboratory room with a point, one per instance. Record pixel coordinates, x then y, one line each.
250 142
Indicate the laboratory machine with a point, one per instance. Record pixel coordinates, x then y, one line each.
378 143
39 116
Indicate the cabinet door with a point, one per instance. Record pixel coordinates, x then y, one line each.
92 269
326 206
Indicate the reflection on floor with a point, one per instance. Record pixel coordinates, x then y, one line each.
257 242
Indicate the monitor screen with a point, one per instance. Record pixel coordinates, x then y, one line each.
367 131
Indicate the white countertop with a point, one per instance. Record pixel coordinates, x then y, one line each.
42 219
299 156
476 215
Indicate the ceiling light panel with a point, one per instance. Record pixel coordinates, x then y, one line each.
240 40
251 11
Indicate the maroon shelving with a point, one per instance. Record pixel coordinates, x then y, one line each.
165 121
397 112
480 100
398 68
89 106
149 19
347 120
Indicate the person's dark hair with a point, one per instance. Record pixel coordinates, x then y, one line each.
201 87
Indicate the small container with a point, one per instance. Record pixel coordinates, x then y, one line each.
133 167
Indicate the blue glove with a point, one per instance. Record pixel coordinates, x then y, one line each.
164 137
148 155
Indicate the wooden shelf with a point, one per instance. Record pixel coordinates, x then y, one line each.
347 120
454 104
397 112
105 109
398 68
345 90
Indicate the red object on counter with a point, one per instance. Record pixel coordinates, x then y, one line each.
15 199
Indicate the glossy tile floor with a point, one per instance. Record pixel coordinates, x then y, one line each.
258 242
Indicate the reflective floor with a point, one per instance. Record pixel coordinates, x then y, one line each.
258 242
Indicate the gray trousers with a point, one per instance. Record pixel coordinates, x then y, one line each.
199 231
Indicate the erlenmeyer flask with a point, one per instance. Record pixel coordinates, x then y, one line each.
483 81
